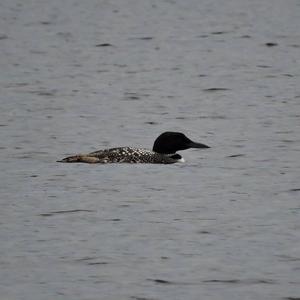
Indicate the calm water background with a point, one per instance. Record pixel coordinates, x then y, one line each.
77 76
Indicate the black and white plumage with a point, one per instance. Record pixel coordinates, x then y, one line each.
163 152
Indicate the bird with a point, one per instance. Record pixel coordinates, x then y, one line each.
163 152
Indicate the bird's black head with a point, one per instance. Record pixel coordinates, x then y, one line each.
170 142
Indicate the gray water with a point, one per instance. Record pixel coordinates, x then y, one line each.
78 76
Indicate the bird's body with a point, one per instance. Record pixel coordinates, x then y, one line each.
122 155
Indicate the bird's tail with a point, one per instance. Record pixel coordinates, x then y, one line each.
80 158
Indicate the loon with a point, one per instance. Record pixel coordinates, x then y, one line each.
163 152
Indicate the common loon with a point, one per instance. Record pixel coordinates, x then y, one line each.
163 152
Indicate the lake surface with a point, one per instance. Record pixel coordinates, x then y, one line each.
78 76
